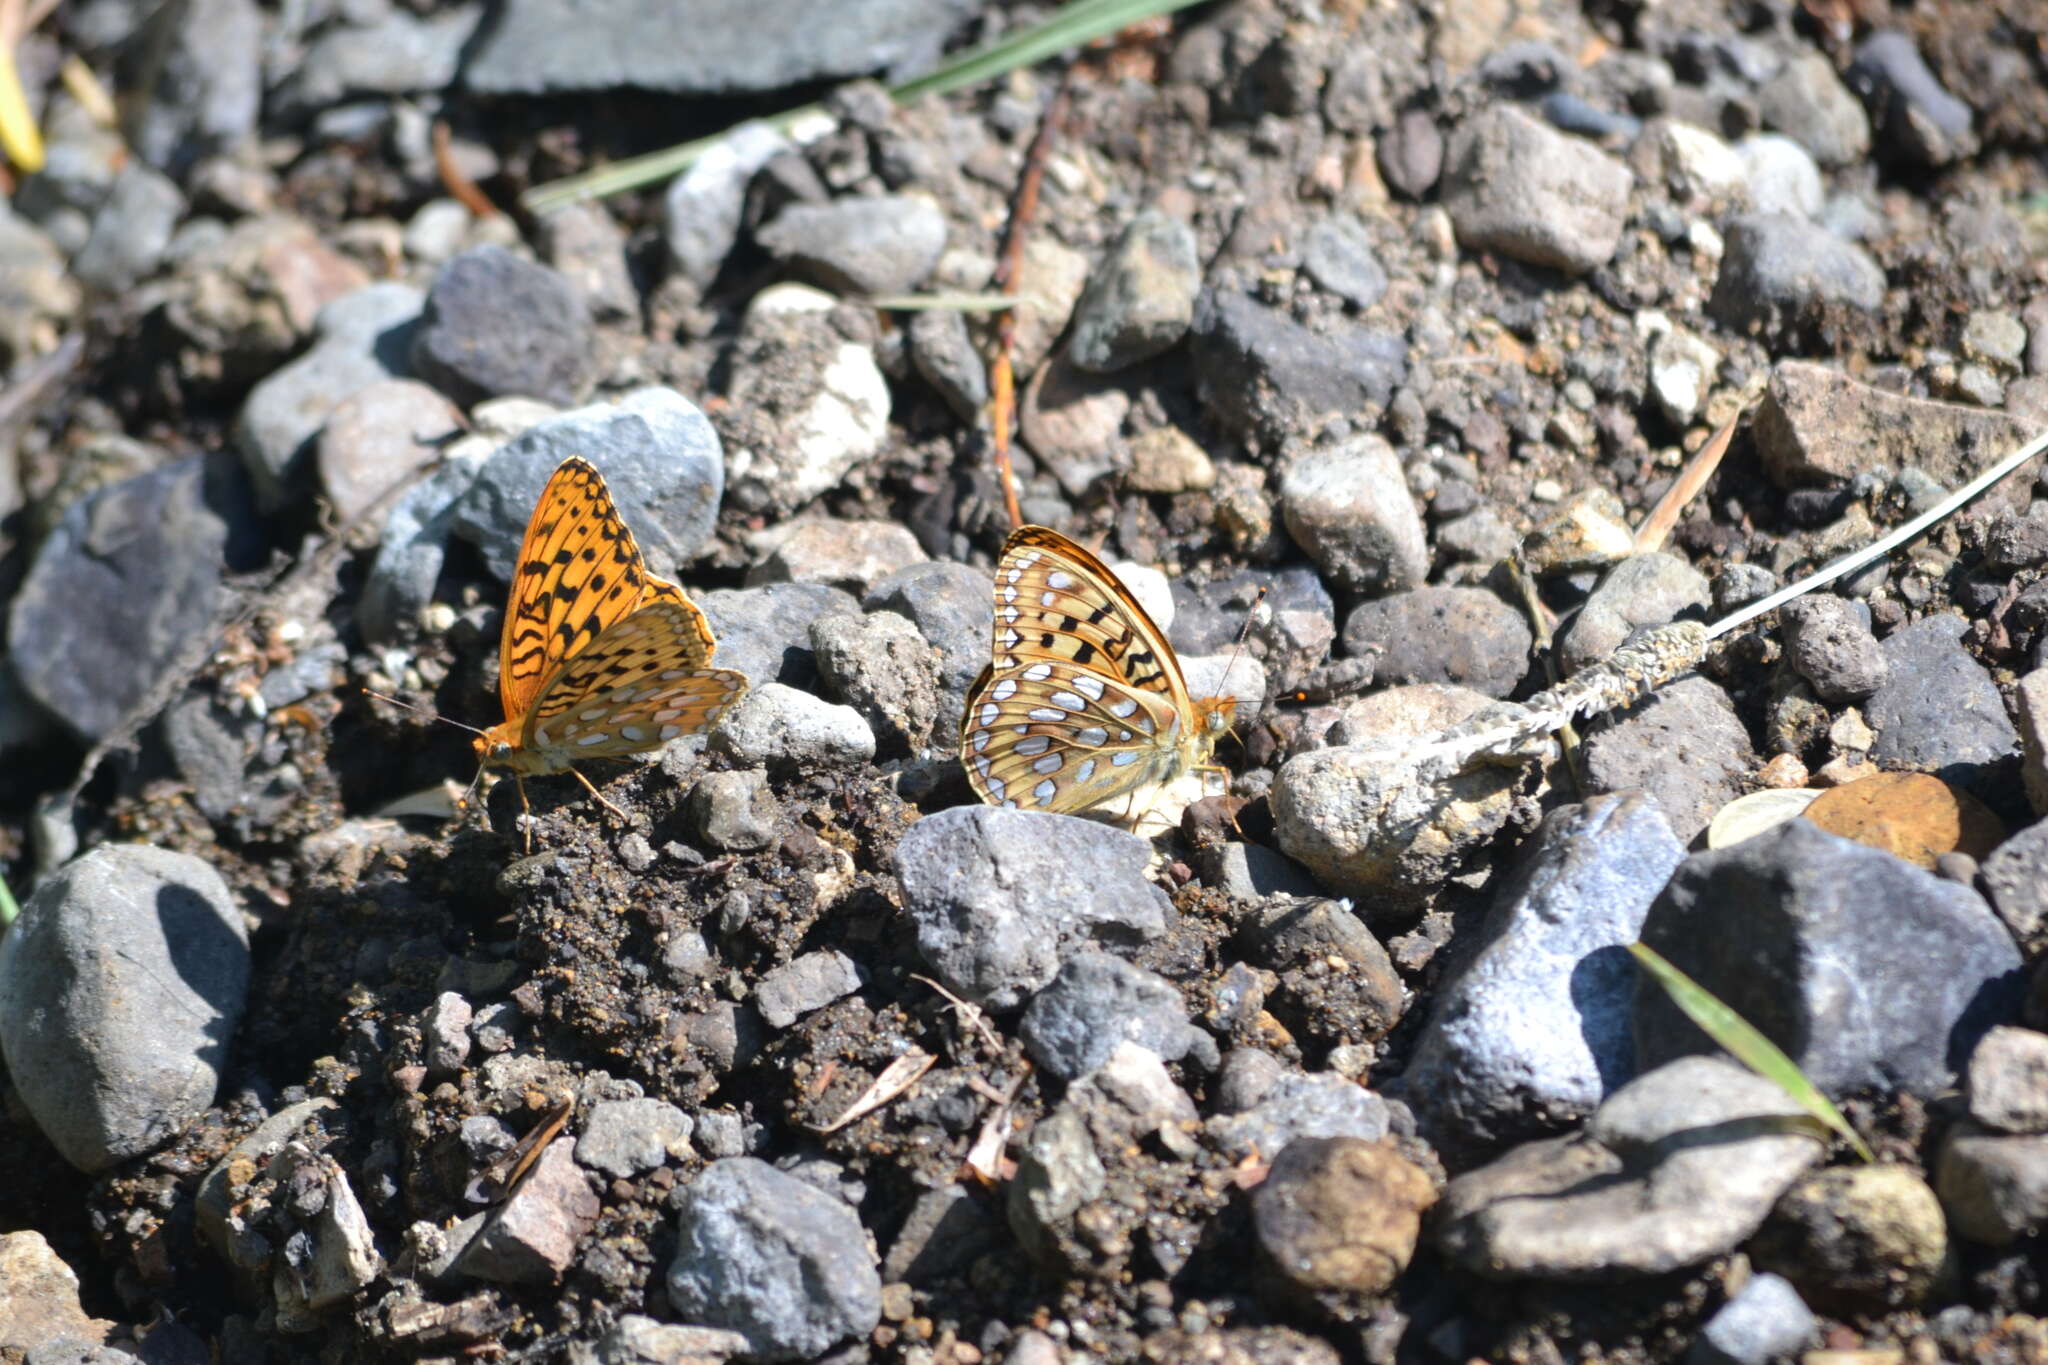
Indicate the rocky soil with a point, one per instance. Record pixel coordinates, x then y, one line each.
810 1056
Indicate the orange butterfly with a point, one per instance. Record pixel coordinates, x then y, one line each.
599 657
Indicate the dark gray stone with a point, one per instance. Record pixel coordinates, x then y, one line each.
547 47
1916 117
1265 376
787 993
1683 744
412 549
1140 299
1319 1105
394 53
1533 1032
765 631
1940 712
208 88
1784 279
881 244
773 1258
131 230
1338 254
2015 877
495 324
624 1138
1525 190
1466 636
120 986
1828 642
1001 897
1870 973
944 353
1099 1001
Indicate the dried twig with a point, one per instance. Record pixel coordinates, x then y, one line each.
896 1078
1657 526
967 1010
454 179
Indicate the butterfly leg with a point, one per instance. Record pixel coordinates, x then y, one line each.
598 796
525 810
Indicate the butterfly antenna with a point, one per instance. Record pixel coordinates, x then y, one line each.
1243 632
421 710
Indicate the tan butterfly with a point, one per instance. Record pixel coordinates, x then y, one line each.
599 658
1084 700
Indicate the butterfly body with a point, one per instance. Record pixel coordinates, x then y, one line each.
1083 700
599 658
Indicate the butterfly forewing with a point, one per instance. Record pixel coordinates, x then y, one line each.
1084 700
579 572
643 682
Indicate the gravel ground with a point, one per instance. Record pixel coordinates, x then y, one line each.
804 1053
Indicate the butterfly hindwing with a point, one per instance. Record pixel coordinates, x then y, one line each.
644 681
579 572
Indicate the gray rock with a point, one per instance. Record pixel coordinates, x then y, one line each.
1411 155
377 438
637 1340
1808 103
1349 507
853 555
880 244
1828 642
722 1134
1321 1104
1818 426
1644 590
214 1204
590 249
358 339
1291 629
1355 94
131 230
1637 1193
1341 979
1532 193
1784 279
1338 254
123 587
394 53
1683 744
412 549
1266 377
120 986
495 324
531 1238
1140 299
547 47
946 1229
661 461
781 728
2008 1081
1099 1001
882 667
787 993
624 1138
1533 1032
2015 877
1780 176
765 632
207 91
1683 368
1765 1320
953 607
1868 972
702 207
1247 1077
777 1260
1253 872
943 351
807 405
37 295
1466 636
1994 1188
1915 115
1058 1172
734 811
444 1031
1001 897
1939 712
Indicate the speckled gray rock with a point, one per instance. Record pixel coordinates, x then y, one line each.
848 554
1349 507
1465 636
1808 103
1650 589
495 324
1140 299
1266 377
1321 1104
765 632
773 1258
1099 1001
1636 1193
358 339
1684 744
701 208
1939 711
1783 278
1993 1186
1869 972
1000 897
2015 877
778 727
881 666
1534 1031
412 549
787 993
1338 255
953 606
808 404
2008 1081
120 986
942 350
1780 176
1765 1320
660 459
1516 186
882 244
378 437
1828 642
130 231
623 1138
734 811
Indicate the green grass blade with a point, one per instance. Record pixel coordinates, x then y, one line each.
8 909
1744 1043
940 303
1072 26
